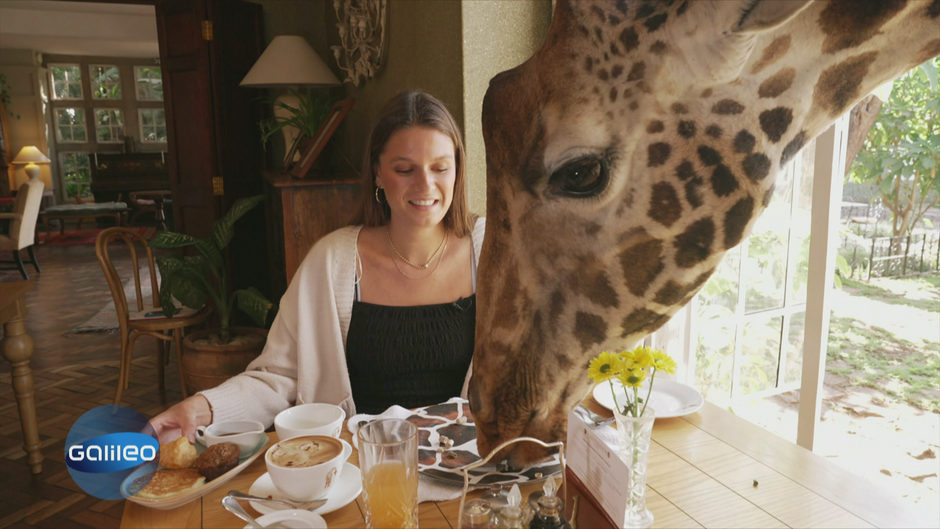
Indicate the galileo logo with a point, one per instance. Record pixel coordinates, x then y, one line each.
109 448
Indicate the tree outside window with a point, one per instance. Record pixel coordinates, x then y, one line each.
109 125
149 81
66 81
77 174
105 81
153 125
70 125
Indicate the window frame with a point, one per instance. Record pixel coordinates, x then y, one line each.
84 125
62 155
140 122
52 81
91 83
137 95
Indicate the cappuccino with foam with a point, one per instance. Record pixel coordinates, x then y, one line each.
306 451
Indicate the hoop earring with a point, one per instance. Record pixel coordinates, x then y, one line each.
377 195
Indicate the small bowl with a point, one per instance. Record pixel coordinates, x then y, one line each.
293 518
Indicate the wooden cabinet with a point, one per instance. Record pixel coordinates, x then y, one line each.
114 174
299 213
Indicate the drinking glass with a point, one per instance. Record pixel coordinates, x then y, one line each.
388 458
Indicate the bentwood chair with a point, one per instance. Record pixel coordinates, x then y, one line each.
145 317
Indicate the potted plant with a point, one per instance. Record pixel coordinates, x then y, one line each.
211 356
306 117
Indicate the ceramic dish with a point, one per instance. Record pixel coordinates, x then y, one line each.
345 491
444 420
292 519
669 398
181 499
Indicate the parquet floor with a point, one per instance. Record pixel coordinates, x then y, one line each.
73 373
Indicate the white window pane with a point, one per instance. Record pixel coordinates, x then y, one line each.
760 352
714 358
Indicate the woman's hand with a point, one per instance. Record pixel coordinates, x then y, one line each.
182 419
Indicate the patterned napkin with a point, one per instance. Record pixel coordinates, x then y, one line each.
428 489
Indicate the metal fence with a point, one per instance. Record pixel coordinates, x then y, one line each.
906 255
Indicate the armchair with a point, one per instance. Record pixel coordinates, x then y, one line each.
21 233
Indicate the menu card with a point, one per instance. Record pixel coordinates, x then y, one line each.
598 465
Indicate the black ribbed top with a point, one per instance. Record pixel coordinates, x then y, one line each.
410 356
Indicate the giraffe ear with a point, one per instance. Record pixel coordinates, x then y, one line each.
756 16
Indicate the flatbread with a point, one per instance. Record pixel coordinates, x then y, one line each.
166 483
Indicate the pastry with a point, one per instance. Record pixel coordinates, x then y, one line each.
217 460
166 483
178 454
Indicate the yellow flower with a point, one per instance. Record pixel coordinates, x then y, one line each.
632 379
643 356
663 362
604 367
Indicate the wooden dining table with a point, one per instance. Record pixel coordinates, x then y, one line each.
707 469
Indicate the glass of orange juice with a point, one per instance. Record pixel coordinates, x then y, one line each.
388 458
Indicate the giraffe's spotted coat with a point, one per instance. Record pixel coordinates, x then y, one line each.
693 142
777 84
772 53
775 122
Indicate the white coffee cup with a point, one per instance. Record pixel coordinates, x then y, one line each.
245 434
305 483
310 419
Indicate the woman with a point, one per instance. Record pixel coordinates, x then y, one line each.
379 313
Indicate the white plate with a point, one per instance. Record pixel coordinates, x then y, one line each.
293 518
347 489
181 499
669 398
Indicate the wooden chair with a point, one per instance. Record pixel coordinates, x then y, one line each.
141 319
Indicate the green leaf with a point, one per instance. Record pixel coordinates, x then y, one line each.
211 252
253 303
166 296
927 162
168 240
223 229
843 266
930 69
181 280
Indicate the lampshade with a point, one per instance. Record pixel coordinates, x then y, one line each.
289 61
30 154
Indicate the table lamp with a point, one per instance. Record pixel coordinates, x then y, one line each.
30 156
289 62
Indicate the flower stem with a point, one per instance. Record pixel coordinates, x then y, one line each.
649 391
613 393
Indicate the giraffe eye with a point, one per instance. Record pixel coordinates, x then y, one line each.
583 177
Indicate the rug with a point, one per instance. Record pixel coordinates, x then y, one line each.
87 236
105 320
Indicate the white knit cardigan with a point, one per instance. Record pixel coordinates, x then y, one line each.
304 359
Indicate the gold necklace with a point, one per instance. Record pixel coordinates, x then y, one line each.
388 232
402 272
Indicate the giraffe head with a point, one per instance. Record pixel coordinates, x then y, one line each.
629 154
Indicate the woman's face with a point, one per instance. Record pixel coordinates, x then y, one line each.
418 169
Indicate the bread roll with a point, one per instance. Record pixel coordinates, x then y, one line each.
178 454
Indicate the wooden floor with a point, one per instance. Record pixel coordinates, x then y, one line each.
73 373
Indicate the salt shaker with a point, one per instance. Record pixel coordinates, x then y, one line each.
477 514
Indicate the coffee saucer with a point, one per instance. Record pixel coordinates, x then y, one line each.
292 519
346 490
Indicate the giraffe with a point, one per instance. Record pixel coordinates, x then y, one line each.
629 154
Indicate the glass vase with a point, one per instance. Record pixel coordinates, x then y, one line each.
634 433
